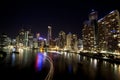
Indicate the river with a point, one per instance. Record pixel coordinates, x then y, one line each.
33 65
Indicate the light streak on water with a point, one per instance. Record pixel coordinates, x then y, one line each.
51 71
95 63
39 62
13 59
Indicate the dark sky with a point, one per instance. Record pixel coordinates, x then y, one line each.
61 15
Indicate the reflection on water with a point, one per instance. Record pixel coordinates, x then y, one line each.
21 60
93 62
68 66
39 62
13 59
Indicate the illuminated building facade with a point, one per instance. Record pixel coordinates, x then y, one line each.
74 42
30 39
93 16
37 35
109 31
4 40
90 33
49 35
103 35
25 38
20 37
88 37
35 43
68 41
80 44
62 39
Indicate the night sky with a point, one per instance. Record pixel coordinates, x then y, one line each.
61 15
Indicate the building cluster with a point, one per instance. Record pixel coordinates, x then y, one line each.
98 35
69 42
102 35
4 40
26 39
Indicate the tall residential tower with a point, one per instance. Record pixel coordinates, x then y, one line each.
49 35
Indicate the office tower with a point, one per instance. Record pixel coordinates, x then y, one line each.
49 35
30 39
37 35
88 37
80 44
21 36
62 39
35 43
68 41
93 16
26 38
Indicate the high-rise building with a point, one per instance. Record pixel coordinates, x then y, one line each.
93 16
21 36
68 41
37 35
88 37
30 39
4 40
49 35
74 43
25 38
62 39
35 43
109 32
80 44
102 34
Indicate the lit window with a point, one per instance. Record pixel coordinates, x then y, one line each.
113 19
118 31
102 22
114 36
119 44
106 22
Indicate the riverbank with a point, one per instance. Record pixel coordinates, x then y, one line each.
96 56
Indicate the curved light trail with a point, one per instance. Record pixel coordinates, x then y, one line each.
39 61
51 71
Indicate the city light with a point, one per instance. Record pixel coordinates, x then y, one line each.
60 40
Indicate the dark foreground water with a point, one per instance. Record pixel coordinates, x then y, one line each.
33 65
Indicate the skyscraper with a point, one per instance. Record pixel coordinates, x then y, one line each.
37 35
103 34
68 40
74 44
62 39
88 36
49 35
93 16
109 31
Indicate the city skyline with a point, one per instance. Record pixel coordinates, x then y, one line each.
60 40
68 17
